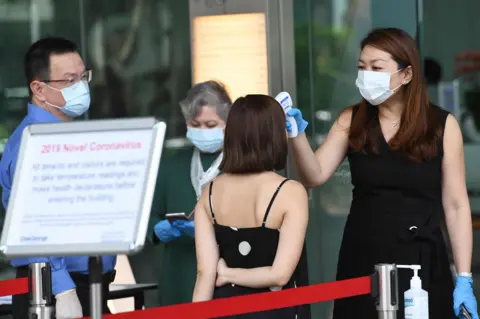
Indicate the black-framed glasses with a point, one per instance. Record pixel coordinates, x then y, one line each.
86 76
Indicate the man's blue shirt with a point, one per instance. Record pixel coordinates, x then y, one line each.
61 266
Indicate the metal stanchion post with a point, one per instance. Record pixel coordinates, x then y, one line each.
385 290
95 267
40 291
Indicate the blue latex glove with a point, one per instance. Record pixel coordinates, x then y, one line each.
463 294
301 123
187 227
166 232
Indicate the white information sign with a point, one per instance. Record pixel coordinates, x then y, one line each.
83 188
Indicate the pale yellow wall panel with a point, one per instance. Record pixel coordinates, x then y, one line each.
231 49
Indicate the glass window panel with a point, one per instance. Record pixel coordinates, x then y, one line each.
455 84
21 23
140 55
140 61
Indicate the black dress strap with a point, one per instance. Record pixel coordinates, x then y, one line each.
271 201
210 202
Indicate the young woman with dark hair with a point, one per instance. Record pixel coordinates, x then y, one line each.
250 222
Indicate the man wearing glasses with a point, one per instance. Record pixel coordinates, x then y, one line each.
58 86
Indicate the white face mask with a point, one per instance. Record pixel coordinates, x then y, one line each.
375 86
77 98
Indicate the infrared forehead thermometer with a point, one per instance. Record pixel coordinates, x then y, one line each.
285 100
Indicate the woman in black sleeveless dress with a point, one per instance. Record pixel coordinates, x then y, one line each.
250 224
408 173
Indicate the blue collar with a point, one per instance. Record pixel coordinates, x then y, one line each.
39 115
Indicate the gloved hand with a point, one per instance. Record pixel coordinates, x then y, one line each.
463 294
301 123
185 226
67 305
166 232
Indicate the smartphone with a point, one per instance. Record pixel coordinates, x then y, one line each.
177 216
464 312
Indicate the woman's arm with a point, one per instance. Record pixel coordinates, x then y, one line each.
207 252
292 236
455 198
314 169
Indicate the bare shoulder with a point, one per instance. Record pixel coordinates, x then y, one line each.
294 191
295 187
347 112
294 200
290 188
344 120
203 201
452 134
451 124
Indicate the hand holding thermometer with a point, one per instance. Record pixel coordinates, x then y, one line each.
286 102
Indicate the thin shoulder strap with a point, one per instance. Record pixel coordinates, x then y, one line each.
210 202
272 200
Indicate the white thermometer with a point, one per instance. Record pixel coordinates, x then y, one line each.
286 102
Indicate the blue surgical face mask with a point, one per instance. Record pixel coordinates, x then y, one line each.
208 140
77 98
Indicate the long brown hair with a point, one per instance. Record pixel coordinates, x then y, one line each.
420 131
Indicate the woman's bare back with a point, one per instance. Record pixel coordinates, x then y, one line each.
241 201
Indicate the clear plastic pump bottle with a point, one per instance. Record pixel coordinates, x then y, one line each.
416 299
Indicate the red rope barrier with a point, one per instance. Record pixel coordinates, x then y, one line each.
235 305
256 302
13 287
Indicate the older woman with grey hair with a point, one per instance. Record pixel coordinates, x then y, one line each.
181 179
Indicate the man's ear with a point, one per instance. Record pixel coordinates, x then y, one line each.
37 89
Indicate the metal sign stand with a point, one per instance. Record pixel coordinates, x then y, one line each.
40 291
95 267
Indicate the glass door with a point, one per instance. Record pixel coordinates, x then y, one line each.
452 68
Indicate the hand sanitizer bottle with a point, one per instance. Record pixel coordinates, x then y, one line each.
416 299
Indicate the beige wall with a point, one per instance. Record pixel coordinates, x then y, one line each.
124 276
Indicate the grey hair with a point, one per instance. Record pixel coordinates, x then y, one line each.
209 93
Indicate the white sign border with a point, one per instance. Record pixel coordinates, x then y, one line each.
158 129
